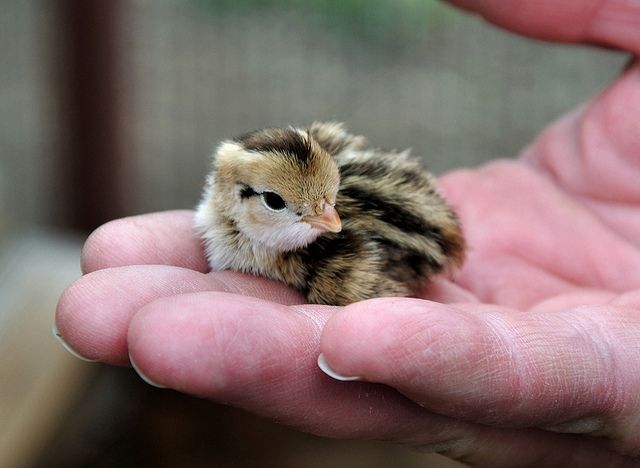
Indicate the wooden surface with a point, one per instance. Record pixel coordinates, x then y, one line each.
38 379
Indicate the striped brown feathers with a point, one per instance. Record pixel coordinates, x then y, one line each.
321 211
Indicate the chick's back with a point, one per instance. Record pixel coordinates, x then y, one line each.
398 230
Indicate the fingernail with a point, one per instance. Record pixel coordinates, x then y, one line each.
578 426
58 336
324 367
143 376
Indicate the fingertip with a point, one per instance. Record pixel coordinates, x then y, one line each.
91 254
166 340
94 313
89 319
60 338
370 338
143 375
110 245
166 238
73 328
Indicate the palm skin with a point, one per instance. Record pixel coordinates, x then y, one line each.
528 359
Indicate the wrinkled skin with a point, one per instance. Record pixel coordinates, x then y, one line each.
532 358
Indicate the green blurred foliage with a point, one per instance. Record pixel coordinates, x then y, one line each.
379 21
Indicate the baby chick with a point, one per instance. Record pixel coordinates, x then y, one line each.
270 207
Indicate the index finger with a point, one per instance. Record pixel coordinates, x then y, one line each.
614 23
165 238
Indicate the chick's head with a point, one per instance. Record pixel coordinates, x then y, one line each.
279 186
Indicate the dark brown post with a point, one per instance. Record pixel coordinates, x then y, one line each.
91 149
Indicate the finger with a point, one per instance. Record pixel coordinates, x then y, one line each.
166 238
593 154
504 368
262 357
612 22
93 314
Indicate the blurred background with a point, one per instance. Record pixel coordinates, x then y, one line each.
112 108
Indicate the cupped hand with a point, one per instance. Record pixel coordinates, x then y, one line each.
529 358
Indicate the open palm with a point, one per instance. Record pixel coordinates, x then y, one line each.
529 358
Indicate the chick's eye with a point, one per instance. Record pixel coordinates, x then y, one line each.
273 201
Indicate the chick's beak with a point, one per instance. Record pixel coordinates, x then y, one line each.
327 221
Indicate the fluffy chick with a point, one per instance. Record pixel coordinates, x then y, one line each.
270 207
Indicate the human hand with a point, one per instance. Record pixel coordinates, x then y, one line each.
541 335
